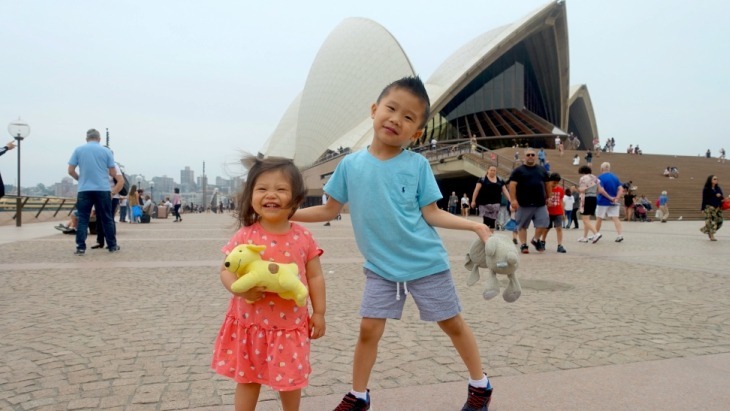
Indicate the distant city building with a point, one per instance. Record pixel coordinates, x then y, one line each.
164 186
187 179
66 188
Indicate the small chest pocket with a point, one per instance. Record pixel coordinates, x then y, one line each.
406 191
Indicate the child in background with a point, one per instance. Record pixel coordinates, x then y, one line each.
555 210
392 194
568 203
251 348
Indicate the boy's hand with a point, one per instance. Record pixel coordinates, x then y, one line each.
316 326
483 232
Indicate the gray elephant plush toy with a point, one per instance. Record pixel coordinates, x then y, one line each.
498 256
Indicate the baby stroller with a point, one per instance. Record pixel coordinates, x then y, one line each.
640 213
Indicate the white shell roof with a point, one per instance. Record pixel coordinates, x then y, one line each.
350 70
472 57
279 143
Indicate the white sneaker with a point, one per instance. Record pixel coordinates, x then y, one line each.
597 237
619 239
583 240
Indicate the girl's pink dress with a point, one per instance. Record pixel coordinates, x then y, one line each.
267 342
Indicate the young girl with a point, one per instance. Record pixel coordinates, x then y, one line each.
267 341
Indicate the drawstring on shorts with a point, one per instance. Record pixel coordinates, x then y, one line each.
397 290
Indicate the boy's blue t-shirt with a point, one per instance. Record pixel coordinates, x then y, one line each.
385 199
611 184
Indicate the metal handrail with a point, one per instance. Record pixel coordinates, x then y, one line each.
37 203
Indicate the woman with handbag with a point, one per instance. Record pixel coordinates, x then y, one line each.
712 199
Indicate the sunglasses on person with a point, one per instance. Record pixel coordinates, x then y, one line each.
530 155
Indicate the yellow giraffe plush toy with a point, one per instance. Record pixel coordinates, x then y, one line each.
245 261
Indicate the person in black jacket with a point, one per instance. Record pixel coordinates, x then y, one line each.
711 205
7 147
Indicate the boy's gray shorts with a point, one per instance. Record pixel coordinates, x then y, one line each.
435 296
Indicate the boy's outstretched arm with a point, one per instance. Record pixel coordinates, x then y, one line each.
314 214
440 218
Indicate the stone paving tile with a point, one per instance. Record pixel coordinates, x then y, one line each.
134 330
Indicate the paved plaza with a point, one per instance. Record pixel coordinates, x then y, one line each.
638 325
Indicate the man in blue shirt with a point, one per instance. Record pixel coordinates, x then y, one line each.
95 163
608 206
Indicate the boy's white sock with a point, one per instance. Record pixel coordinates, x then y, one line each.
361 395
483 383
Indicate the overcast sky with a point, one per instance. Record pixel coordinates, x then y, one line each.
180 82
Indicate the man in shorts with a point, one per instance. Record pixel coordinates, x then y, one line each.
607 205
528 188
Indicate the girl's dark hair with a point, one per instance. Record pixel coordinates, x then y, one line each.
584 170
708 183
244 212
568 192
177 190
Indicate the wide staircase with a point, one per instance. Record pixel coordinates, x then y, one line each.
645 171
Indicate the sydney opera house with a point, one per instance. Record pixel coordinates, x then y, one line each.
508 86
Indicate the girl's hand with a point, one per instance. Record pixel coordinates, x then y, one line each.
316 326
253 294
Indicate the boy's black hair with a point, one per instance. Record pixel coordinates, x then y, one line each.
554 177
256 166
413 85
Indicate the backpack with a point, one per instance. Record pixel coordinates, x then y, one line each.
125 187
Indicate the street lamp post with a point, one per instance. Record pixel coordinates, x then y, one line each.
19 130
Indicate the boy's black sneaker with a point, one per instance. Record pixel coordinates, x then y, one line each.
80 252
478 399
525 249
352 403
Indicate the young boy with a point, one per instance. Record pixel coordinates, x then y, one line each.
392 195
555 210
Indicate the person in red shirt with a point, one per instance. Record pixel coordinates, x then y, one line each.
555 210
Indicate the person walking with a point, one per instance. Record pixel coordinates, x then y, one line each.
712 197
465 206
176 204
3 150
663 207
607 206
453 202
95 163
555 210
568 203
488 196
528 190
576 207
588 186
